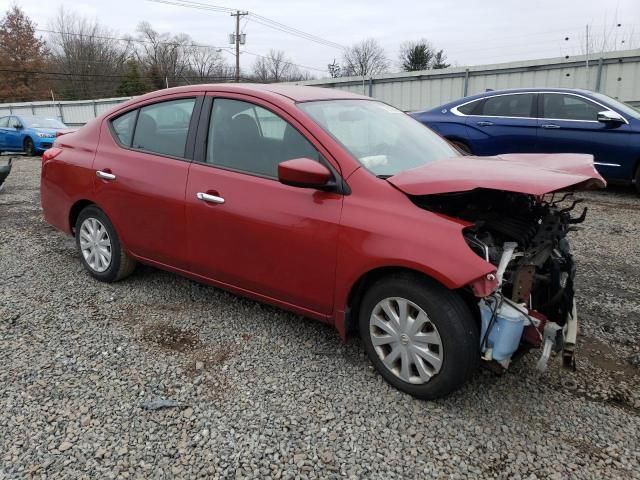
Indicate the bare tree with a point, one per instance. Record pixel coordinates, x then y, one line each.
334 69
206 65
89 56
165 57
276 67
364 58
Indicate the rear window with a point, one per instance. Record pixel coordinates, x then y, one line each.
471 108
516 105
123 127
162 127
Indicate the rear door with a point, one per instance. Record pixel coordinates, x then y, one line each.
256 234
568 124
504 123
141 173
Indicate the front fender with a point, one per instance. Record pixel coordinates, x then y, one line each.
393 232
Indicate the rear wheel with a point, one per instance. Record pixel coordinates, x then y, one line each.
29 147
99 246
463 147
420 336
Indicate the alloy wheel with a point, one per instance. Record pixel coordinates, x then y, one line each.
405 340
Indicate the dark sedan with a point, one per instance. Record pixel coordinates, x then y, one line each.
545 121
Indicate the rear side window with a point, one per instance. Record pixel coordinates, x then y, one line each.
4 122
123 127
472 108
519 105
569 107
162 127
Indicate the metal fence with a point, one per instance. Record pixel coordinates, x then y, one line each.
72 113
614 73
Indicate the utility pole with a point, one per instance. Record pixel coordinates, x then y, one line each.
238 14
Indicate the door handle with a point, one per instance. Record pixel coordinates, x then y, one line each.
105 175
550 125
485 124
206 197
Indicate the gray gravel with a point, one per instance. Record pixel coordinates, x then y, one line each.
257 392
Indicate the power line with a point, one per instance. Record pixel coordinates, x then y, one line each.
256 18
195 45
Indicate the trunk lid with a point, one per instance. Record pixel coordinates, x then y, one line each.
534 174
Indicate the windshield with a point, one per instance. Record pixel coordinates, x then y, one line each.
384 140
42 122
623 107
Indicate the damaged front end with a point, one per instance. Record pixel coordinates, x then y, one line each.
524 237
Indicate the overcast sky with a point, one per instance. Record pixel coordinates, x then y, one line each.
471 32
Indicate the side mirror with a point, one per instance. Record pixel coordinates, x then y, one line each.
304 173
609 116
17 126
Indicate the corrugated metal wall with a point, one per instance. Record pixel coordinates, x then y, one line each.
614 73
72 113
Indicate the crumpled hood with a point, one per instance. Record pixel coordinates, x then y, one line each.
534 174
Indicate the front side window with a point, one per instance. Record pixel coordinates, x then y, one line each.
14 122
246 137
383 139
519 105
123 127
4 122
569 107
162 127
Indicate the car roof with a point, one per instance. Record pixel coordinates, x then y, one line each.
295 93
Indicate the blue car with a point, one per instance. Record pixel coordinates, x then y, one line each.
545 121
27 133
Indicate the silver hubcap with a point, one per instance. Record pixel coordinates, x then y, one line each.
406 340
95 244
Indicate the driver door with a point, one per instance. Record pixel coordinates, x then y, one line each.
260 237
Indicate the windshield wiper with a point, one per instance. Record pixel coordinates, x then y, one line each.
384 177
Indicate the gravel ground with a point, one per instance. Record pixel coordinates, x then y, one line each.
263 393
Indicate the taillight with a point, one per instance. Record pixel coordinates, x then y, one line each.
51 154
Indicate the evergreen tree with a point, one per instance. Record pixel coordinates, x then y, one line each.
23 57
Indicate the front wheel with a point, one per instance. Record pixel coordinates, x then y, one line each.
420 336
99 246
29 147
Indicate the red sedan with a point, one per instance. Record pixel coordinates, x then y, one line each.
335 206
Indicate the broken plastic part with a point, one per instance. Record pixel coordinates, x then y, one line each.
507 253
570 335
484 286
550 335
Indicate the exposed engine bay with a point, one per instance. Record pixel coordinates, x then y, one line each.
524 236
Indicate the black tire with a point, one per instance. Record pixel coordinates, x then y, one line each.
29 147
121 264
637 179
453 320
